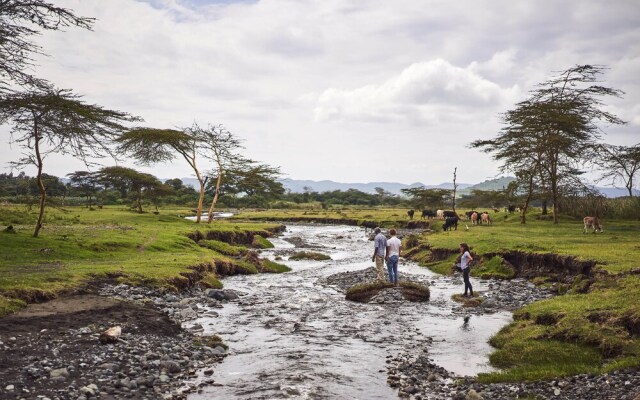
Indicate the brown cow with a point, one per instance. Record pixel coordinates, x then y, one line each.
485 218
592 223
474 218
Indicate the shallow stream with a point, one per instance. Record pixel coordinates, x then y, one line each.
292 337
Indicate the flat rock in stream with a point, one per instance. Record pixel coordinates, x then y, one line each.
363 286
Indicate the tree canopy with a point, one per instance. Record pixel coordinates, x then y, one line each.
20 22
553 132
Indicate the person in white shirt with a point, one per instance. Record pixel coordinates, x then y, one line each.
394 249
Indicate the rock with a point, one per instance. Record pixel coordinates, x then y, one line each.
110 366
473 395
164 378
188 313
230 295
89 390
216 294
170 366
60 372
11 388
556 392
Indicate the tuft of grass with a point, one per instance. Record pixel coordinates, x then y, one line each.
309 255
210 341
9 305
211 280
474 301
260 242
271 266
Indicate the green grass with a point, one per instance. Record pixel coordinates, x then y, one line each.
223 248
309 255
495 267
272 266
260 242
77 245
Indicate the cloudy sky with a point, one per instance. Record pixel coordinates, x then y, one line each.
347 90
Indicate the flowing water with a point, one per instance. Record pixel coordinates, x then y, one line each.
291 337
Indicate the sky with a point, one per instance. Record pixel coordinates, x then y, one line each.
345 90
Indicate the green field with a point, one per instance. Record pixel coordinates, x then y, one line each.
77 246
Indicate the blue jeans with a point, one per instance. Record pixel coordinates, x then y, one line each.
392 267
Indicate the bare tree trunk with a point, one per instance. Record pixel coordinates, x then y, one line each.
41 188
201 198
455 187
215 198
139 201
523 211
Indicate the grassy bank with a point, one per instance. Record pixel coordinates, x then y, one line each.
594 327
77 246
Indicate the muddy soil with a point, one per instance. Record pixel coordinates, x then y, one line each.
63 334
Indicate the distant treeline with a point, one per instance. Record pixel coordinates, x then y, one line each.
241 192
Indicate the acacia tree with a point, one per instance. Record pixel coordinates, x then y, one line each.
150 145
134 182
222 148
57 121
86 183
619 163
421 197
561 116
252 179
20 22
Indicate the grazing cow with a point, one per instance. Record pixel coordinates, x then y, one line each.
484 217
495 210
469 213
592 223
410 213
450 222
428 214
449 214
474 218
511 208
440 214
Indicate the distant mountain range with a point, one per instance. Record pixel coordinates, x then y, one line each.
298 186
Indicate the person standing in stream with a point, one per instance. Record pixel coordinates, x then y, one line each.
379 249
465 260
394 248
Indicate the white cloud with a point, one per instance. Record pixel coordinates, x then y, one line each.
417 93
329 89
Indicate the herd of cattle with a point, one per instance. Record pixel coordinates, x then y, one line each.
451 219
